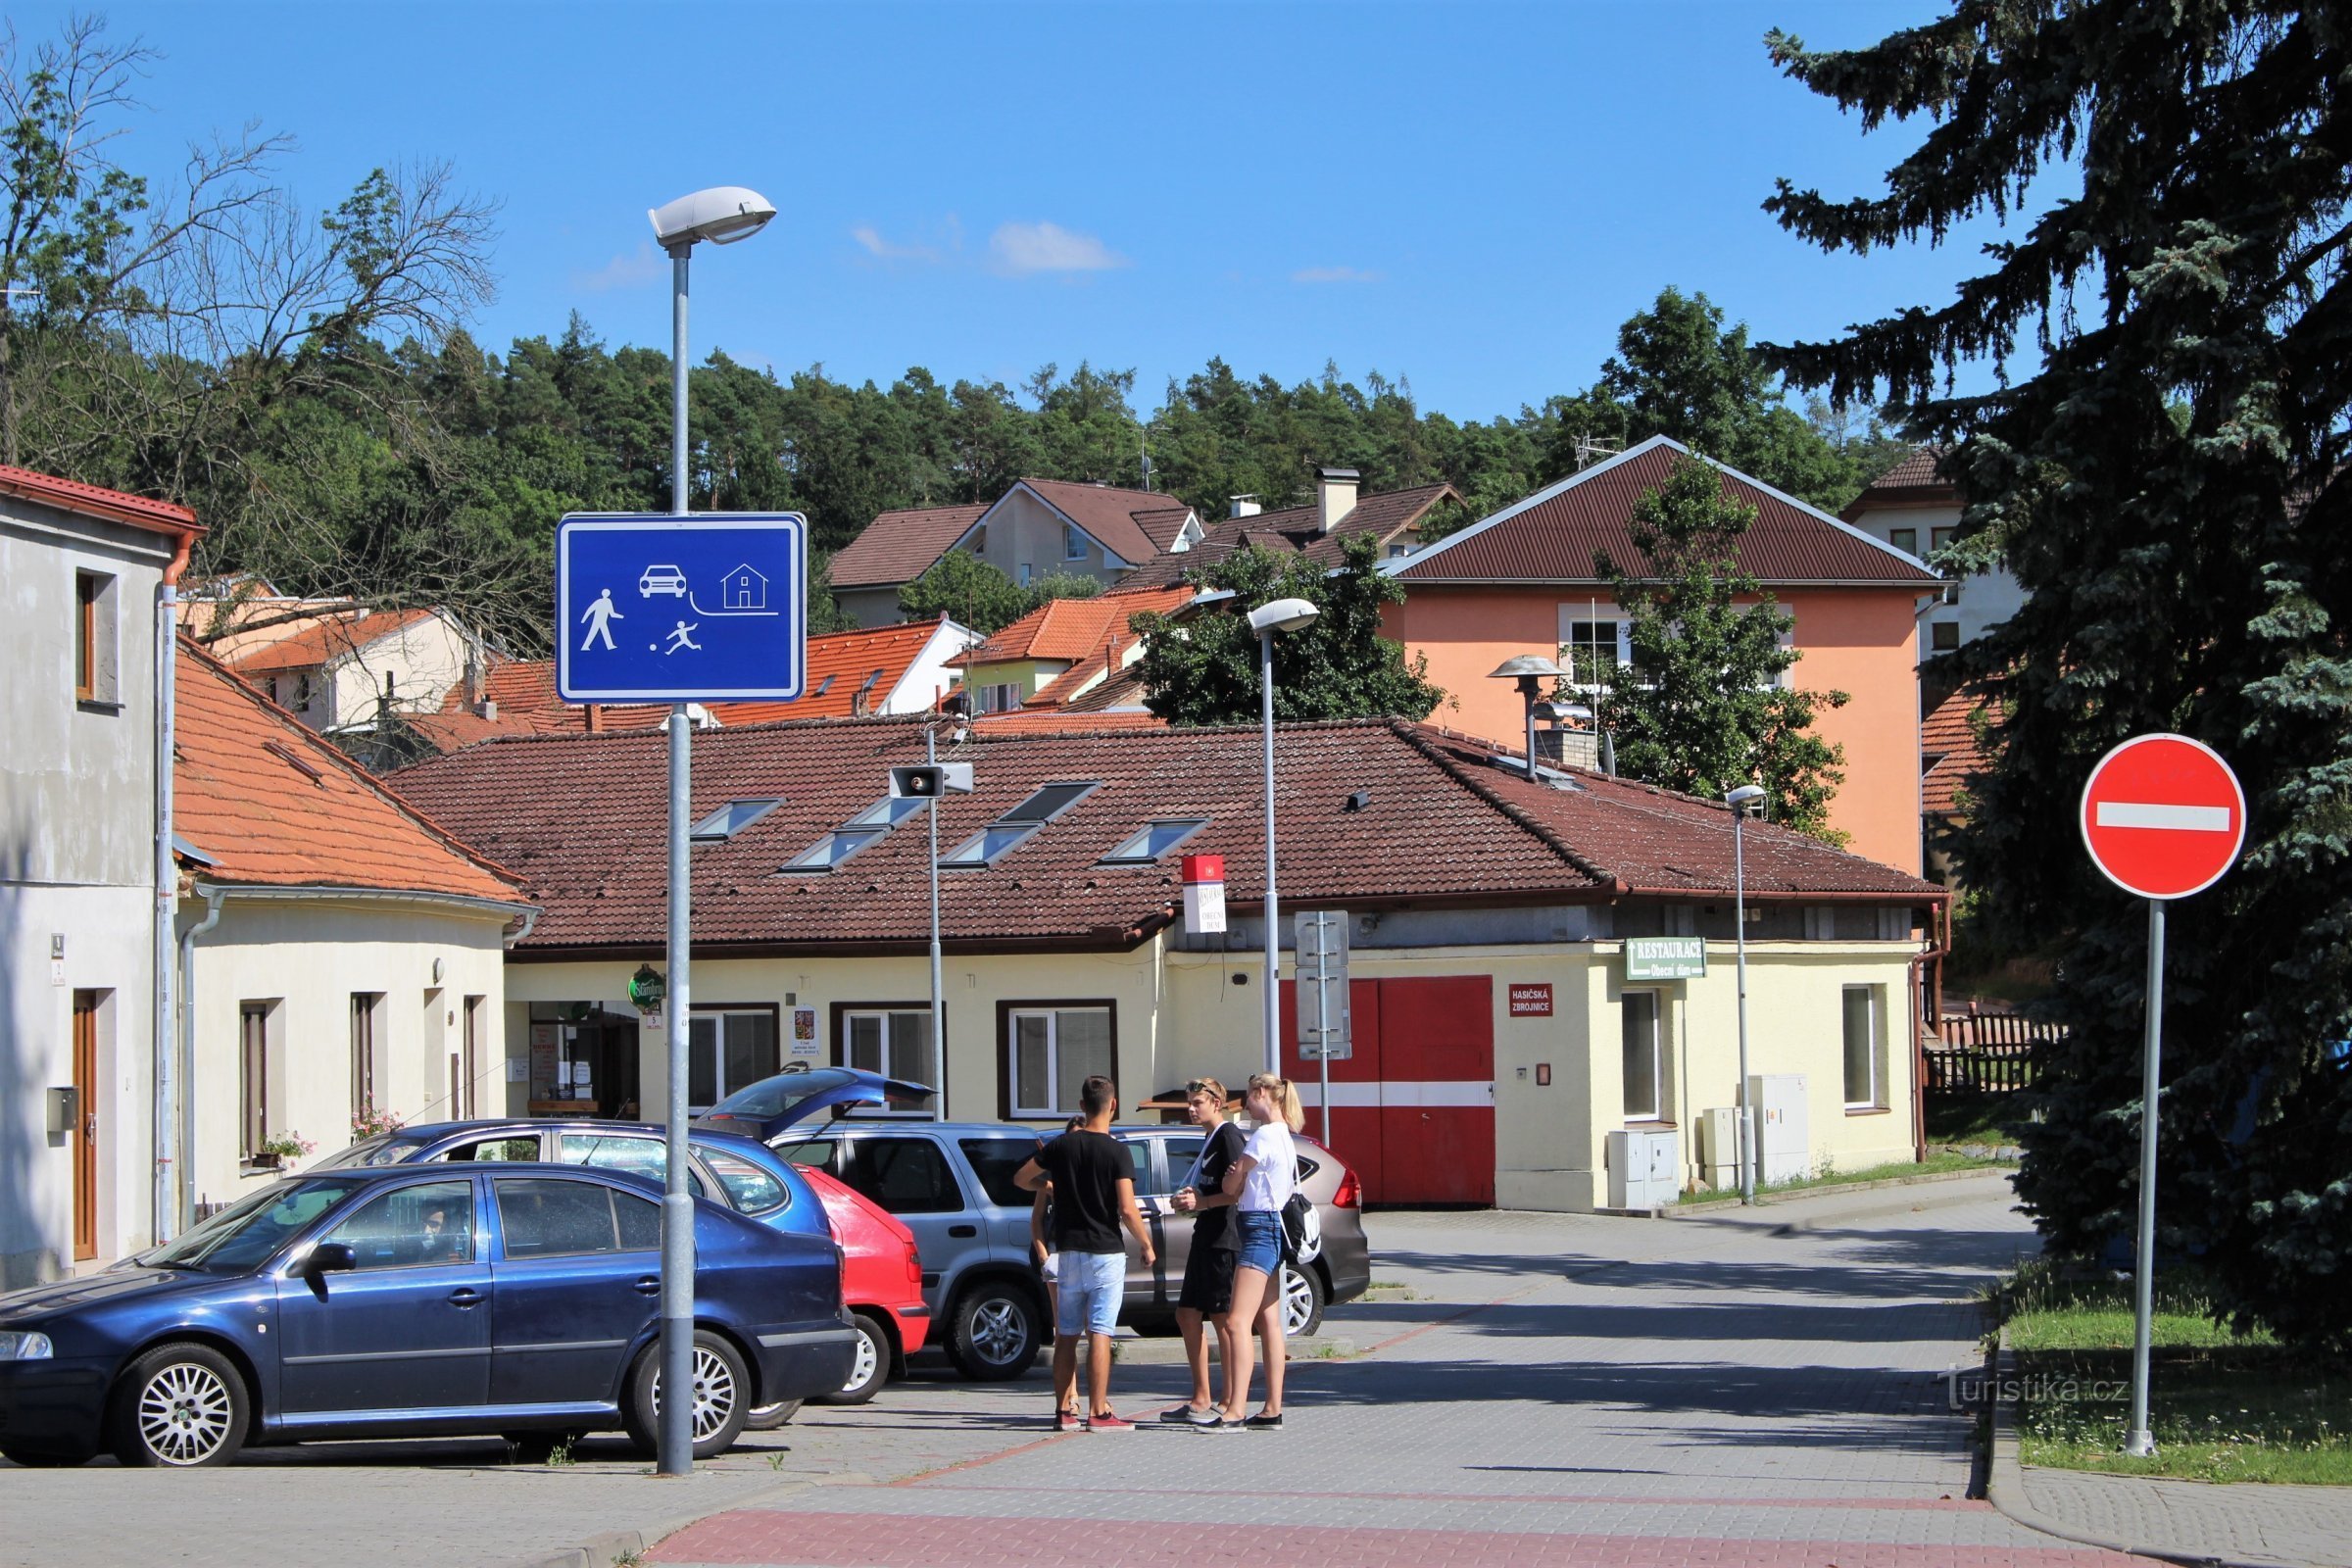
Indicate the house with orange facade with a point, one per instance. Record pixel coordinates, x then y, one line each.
1523 581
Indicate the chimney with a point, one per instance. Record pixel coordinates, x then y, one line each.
1243 506
593 716
1335 496
473 679
489 709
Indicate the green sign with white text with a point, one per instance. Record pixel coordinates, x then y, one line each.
1665 957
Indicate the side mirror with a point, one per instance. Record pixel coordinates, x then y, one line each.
329 1257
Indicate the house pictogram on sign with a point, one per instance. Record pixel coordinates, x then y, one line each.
745 588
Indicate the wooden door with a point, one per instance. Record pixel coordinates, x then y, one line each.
83 1137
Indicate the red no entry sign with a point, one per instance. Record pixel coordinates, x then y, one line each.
2162 817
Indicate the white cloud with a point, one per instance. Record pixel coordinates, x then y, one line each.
1019 249
622 271
1334 274
867 235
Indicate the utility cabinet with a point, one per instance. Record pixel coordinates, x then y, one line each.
1784 1135
1643 1171
1719 1147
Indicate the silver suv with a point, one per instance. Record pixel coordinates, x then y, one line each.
950 1183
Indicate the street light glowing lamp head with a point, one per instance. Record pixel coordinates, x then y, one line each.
721 214
1745 795
1283 614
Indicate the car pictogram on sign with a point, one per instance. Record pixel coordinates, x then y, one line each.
662 580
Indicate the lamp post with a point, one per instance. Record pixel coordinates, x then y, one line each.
1740 800
722 215
1283 614
1531 671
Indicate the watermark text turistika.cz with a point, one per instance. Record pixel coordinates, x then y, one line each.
1968 1387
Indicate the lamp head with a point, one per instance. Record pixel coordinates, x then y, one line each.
721 214
1283 614
1526 667
1744 798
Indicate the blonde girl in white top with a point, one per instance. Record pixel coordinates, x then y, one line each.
1261 1181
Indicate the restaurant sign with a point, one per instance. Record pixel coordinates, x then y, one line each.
1665 957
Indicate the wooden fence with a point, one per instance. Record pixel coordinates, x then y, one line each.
1988 1052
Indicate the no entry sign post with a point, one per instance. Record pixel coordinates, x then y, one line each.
2163 817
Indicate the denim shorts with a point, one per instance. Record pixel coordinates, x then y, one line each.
1260 1235
1089 1292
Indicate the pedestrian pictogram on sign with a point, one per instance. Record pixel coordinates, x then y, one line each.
2162 817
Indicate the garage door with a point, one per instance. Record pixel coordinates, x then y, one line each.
1413 1109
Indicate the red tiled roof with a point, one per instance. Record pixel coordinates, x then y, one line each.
1552 537
1107 513
1072 629
1072 720
273 804
329 638
842 664
580 817
899 546
1293 530
1947 740
95 501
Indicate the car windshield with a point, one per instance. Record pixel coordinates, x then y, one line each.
246 1235
386 1148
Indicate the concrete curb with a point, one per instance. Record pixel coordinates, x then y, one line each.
2005 1489
609 1546
1714 1205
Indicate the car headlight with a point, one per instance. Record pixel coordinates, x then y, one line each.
21 1345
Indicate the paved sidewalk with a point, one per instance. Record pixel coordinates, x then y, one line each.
2244 1522
1761 1389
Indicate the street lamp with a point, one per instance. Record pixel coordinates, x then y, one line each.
1283 614
1740 800
721 214
1531 671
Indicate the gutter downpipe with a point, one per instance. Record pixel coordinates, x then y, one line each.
170 1084
186 1107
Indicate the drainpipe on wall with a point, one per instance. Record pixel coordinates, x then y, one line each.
168 1085
186 1046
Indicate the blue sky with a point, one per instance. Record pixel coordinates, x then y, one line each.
1471 196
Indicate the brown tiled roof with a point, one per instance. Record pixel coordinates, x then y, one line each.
899 546
95 501
1161 527
1107 513
1919 468
1072 720
329 638
581 818
1912 482
1552 537
1293 531
1947 743
271 803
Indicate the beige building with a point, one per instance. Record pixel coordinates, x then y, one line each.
1502 936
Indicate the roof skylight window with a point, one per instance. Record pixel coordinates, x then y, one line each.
990 843
1154 840
824 686
855 834
732 818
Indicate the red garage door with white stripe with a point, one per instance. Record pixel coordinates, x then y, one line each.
1413 1109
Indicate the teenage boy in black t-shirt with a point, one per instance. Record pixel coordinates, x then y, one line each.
1093 1195
1208 1264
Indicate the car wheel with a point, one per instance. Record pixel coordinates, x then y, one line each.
995 1332
178 1406
768 1418
722 1389
869 1369
1302 1301
43 1461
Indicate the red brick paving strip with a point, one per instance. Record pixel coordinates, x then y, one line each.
888 1541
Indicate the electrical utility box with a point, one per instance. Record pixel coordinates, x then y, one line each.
1784 1135
1719 1147
1644 1170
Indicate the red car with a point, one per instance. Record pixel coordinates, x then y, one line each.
881 1285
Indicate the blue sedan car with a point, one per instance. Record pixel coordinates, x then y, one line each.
414 1301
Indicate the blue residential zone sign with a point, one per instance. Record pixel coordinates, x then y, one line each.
708 607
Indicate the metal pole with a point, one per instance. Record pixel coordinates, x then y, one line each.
677 1425
1747 1111
170 1160
1528 692
939 1032
1265 688
1323 1064
2141 1441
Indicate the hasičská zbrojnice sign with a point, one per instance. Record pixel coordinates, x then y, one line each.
2162 817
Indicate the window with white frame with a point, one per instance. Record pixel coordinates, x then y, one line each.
1644 1056
894 1042
1073 543
1048 1055
1865 1088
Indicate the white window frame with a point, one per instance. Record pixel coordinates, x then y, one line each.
719 1015
1657 1057
1572 616
931 1076
1073 541
1874 1096
1013 1059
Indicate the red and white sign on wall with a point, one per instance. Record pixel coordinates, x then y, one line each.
1203 877
2162 817
1531 1000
